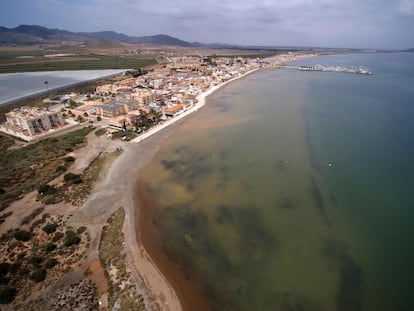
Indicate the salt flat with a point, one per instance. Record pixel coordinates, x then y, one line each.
17 85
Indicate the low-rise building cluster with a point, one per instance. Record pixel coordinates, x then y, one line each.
142 101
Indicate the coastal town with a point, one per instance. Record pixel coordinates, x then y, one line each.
69 213
206 155
78 156
138 101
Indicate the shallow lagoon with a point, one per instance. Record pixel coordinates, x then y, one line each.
17 85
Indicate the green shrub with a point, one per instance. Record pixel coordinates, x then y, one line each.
68 149
50 228
4 280
22 235
77 181
46 189
14 267
76 141
43 189
50 263
71 177
4 268
24 271
35 261
38 275
50 247
69 159
7 294
71 239
61 169
100 132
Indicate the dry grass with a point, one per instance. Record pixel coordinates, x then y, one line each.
24 169
77 194
123 292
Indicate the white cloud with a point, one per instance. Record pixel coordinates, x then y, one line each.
406 7
272 22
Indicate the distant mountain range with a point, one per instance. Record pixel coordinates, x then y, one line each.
25 34
34 34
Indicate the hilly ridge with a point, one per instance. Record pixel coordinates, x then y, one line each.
34 34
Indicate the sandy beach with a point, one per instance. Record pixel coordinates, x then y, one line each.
201 101
166 288
117 190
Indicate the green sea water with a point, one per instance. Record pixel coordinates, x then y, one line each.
293 190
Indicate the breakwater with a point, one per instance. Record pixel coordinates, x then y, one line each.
341 69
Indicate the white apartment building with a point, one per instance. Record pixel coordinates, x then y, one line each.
31 121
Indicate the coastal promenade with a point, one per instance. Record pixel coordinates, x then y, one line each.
201 101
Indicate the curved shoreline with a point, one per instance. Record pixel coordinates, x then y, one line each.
178 287
201 102
118 189
167 286
189 296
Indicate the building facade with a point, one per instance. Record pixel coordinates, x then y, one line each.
31 121
110 110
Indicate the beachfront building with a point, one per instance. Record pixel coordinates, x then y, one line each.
110 110
173 110
31 121
117 108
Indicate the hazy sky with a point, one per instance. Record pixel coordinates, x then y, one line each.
329 23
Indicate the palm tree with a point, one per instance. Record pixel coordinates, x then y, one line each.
47 88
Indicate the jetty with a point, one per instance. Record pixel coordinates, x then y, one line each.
362 70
